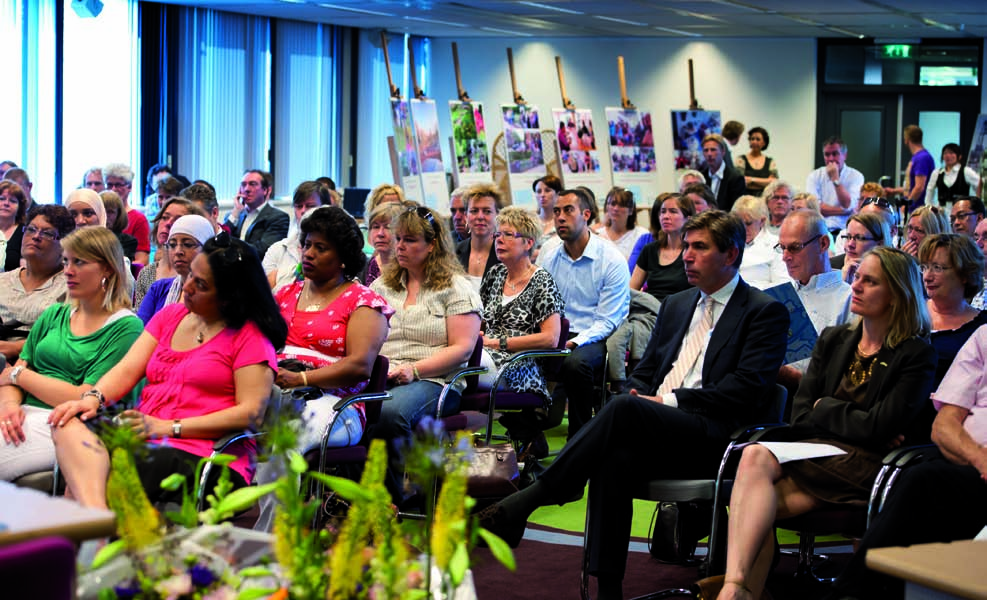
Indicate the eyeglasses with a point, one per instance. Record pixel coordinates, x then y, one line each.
881 202
185 245
780 197
117 185
509 234
857 238
913 229
48 234
796 247
934 267
960 216
426 215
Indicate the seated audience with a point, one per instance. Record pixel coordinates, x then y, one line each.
966 213
254 218
883 208
522 310
185 240
21 178
86 208
778 197
654 226
952 272
204 196
116 221
671 409
69 348
762 267
161 228
119 178
547 189
687 177
13 207
382 194
622 228
923 221
953 179
282 261
865 387
806 201
381 238
210 368
457 218
701 196
937 500
93 179
979 301
476 254
336 327
759 170
435 327
28 291
863 232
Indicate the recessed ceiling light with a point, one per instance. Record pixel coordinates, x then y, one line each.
356 10
624 21
436 21
555 8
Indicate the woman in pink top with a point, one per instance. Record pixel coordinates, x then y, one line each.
210 366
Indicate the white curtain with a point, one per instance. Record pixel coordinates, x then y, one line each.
224 108
307 91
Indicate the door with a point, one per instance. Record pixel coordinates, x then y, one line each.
868 123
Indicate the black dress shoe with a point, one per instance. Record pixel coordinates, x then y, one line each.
494 519
536 447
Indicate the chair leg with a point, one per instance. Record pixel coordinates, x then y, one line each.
806 557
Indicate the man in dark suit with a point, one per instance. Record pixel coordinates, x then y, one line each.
726 182
710 367
253 219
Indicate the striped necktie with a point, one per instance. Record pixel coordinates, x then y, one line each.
691 349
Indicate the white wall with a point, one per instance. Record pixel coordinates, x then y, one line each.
770 83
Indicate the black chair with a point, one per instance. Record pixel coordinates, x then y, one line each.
706 491
471 373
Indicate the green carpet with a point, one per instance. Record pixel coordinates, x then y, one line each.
572 516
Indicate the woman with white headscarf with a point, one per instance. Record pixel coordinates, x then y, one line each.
86 208
185 241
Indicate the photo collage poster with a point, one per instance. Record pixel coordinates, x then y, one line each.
632 152
425 116
525 158
689 127
404 143
579 150
469 140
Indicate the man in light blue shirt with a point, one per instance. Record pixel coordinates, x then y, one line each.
592 277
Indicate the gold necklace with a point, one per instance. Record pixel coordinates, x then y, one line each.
859 374
317 302
200 336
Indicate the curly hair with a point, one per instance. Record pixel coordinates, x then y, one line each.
440 264
964 256
57 216
340 230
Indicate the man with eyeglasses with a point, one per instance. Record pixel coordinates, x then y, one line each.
966 214
119 178
836 185
778 196
254 219
93 179
803 242
594 281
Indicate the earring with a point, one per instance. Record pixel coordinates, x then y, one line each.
103 283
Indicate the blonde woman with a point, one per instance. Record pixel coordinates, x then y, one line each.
383 193
69 348
924 221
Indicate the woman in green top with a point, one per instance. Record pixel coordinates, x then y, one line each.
69 348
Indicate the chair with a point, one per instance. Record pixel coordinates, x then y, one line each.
471 373
374 393
40 568
713 491
49 482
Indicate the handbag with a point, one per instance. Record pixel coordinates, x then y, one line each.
677 529
498 461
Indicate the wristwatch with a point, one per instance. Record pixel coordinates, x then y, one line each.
503 343
99 396
176 428
837 183
15 373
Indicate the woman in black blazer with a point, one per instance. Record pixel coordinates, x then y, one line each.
864 391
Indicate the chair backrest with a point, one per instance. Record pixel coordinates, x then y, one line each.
377 383
550 366
41 568
778 403
472 381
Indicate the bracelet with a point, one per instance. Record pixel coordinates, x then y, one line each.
414 373
304 379
99 396
15 373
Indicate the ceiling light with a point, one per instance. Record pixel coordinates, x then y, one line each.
507 31
679 32
847 32
356 10
624 21
550 7
436 21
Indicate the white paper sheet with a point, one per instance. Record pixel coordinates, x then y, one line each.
791 451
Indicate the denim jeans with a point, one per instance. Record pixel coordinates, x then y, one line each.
409 404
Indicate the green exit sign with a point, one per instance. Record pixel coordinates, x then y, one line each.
896 51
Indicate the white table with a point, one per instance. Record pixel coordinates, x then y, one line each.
936 571
27 514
